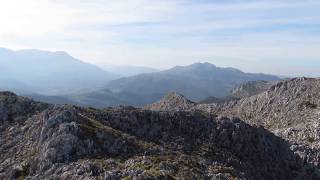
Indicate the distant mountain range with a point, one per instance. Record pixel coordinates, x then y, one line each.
126 70
56 77
48 73
196 81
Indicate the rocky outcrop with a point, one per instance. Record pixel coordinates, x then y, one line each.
251 88
172 102
283 105
247 89
290 109
66 142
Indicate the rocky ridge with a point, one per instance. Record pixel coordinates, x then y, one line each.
40 141
173 102
251 88
246 89
290 109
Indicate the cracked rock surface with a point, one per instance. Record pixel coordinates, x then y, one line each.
42 141
290 109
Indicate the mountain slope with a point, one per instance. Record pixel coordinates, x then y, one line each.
288 103
282 105
251 88
196 82
48 72
172 102
212 99
126 70
246 89
50 99
97 99
66 142
290 109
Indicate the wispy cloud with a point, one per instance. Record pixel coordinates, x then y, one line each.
168 32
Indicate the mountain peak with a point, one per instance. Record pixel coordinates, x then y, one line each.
44 53
62 53
48 72
198 65
172 101
174 95
207 67
203 64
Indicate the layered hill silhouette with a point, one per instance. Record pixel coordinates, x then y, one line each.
127 71
196 81
48 73
67 142
57 77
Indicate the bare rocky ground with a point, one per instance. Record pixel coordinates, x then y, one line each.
290 109
246 89
251 88
43 141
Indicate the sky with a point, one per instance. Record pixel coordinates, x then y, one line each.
271 36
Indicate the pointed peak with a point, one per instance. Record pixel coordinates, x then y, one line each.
173 101
62 53
174 94
203 64
198 65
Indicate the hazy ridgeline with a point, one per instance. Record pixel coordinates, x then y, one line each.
56 77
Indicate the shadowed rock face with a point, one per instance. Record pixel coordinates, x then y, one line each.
44 141
289 109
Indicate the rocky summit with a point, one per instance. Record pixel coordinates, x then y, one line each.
43 141
290 109
172 102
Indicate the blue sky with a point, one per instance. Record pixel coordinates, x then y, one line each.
280 37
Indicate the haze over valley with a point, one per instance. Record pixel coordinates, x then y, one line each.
57 77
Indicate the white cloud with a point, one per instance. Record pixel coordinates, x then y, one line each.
38 17
32 17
